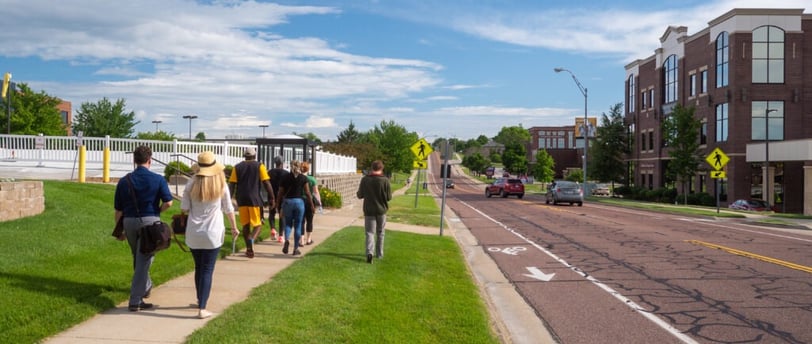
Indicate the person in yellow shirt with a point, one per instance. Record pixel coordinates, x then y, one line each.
245 179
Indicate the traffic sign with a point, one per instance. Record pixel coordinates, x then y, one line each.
718 174
717 159
421 149
421 164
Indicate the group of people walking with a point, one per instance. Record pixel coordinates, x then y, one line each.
209 199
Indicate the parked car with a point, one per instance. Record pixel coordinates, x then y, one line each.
563 191
505 187
449 184
749 204
600 190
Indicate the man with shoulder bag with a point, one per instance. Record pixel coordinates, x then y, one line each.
140 198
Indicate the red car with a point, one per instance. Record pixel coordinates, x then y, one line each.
505 187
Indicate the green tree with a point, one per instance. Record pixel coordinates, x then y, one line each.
475 162
514 158
482 139
32 113
575 175
201 136
159 135
681 131
515 139
394 141
349 135
544 169
105 118
609 148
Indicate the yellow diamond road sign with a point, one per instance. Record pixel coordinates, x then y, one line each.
718 174
717 159
421 149
421 164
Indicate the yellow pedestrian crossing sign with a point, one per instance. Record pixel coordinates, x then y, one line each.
718 174
421 164
717 159
421 149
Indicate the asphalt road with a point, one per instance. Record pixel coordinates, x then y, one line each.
631 276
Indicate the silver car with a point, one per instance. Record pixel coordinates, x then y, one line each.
562 191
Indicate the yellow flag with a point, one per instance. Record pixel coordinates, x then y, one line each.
6 81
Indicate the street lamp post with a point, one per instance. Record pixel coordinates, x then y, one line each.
585 129
156 124
190 118
263 126
767 180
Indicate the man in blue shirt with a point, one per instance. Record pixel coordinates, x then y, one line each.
140 198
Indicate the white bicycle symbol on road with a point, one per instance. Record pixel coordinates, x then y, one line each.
513 251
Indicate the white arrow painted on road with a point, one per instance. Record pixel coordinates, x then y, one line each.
537 274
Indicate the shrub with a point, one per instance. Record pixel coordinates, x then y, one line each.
329 198
174 166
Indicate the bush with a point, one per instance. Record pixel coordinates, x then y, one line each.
329 198
174 166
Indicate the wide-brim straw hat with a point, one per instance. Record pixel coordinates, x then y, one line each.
208 164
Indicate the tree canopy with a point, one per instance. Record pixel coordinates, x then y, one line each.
681 130
32 113
105 118
610 147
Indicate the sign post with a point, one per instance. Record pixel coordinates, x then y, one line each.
717 159
421 150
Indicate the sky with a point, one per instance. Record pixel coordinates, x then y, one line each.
444 68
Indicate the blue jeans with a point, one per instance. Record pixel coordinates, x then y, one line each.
204 270
293 209
141 281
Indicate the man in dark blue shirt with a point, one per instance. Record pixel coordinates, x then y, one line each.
152 194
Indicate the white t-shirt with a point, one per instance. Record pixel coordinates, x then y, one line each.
205 228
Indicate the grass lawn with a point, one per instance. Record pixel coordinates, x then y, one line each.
62 267
420 292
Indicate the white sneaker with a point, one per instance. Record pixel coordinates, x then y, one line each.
203 314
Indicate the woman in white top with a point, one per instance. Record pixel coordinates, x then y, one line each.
205 199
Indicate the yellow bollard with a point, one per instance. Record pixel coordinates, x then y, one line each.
82 158
106 165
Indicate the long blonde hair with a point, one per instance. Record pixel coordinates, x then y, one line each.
208 188
295 168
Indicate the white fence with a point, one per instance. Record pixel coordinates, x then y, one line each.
64 149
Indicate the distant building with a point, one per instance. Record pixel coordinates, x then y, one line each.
66 114
747 67
561 143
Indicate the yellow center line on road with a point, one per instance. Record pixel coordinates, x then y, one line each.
753 255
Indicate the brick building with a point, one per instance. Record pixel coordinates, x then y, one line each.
565 144
748 67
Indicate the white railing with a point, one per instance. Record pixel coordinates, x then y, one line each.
65 149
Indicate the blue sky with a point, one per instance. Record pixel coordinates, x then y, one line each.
451 68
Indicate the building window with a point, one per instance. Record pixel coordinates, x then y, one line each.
643 142
768 55
703 81
670 72
632 92
651 140
776 120
561 143
692 86
722 57
721 122
703 134
651 98
643 100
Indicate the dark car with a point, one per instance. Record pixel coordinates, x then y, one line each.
563 191
449 184
749 204
505 187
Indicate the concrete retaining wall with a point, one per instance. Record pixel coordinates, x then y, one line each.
21 199
345 185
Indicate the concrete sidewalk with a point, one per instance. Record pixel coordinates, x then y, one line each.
175 316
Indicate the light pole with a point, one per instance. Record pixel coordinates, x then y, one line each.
156 124
190 118
263 126
767 180
585 129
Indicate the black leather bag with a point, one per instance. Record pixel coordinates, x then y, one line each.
155 237
118 231
179 223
